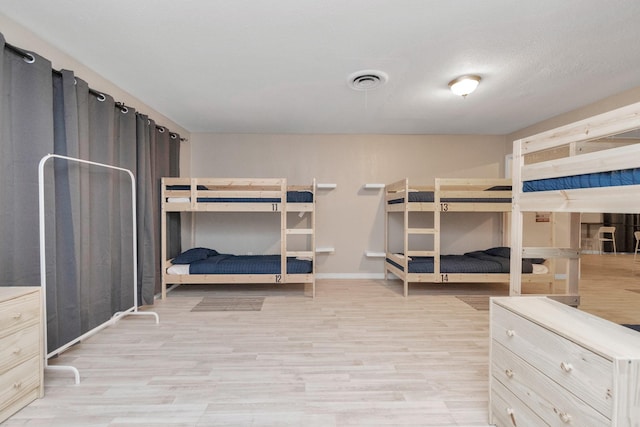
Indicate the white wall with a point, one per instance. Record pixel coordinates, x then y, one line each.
349 218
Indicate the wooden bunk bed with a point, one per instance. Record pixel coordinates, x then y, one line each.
574 169
269 196
449 195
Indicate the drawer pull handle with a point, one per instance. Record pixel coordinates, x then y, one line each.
17 350
510 332
509 373
17 385
566 418
17 316
512 415
567 367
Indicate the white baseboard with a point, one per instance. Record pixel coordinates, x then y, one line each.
347 276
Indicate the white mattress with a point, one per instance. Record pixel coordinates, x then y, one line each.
178 269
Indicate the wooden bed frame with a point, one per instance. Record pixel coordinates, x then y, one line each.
445 189
579 148
186 200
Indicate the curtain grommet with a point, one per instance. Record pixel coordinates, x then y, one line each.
29 58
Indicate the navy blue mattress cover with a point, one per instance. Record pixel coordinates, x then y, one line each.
292 196
428 196
248 264
488 261
591 180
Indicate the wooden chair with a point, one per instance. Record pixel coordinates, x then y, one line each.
607 234
636 234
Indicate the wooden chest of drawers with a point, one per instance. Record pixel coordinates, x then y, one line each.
21 348
555 365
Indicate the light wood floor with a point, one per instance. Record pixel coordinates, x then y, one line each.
358 354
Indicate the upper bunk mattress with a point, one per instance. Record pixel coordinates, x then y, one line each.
292 197
592 180
429 196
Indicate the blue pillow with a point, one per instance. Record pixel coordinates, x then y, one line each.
185 187
500 251
194 254
499 188
505 252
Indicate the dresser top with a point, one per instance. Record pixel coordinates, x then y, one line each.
10 292
599 335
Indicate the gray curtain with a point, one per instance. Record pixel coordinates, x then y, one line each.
26 135
64 300
166 160
147 241
89 250
92 210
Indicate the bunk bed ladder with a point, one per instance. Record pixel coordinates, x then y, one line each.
308 231
283 232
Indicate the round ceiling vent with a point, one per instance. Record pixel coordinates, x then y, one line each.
367 79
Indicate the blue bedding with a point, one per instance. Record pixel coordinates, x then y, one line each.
416 196
184 187
292 197
494 260
428 196
248 264
600 179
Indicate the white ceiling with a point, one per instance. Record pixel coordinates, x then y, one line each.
281 66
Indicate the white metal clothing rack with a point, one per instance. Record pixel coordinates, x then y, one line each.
43 272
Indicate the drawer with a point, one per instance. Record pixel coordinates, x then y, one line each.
18 313
20 383
587 375
542 395
509 411
18 347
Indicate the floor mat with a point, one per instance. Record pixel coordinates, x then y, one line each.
229 304
479 302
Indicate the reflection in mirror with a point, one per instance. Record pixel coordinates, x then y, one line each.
584 147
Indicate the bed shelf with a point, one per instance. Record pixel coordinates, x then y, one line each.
373 254
325 250
326 186
373 186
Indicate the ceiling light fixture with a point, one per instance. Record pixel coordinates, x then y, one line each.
464 85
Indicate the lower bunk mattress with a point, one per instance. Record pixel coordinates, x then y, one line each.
209 261
494 260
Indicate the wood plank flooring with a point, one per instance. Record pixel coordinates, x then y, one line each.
610 287
358 354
